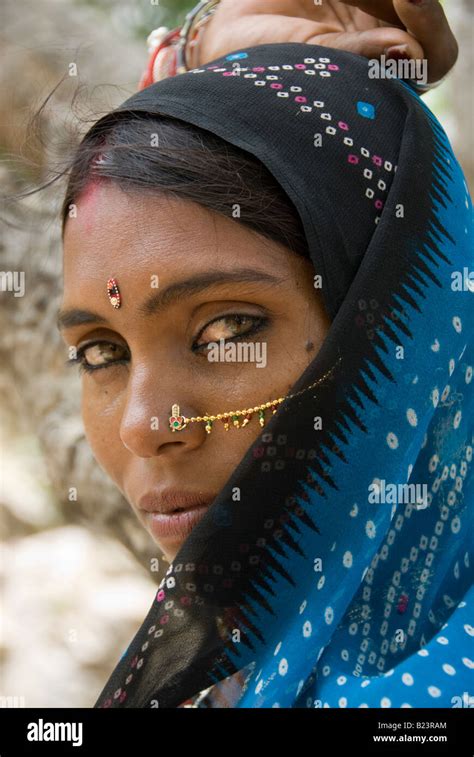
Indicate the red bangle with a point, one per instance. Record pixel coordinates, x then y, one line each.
147 77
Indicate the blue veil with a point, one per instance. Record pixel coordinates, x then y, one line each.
342 577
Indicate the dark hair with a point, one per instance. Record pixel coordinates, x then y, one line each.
151 153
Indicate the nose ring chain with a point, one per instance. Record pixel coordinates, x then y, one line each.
238 418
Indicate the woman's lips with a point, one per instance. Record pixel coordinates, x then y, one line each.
171 513
177 525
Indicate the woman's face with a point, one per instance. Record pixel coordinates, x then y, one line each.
187 277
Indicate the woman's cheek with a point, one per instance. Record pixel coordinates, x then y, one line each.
101 415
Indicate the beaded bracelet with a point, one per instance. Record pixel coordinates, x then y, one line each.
171 50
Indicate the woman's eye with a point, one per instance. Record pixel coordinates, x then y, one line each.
230 328
91 357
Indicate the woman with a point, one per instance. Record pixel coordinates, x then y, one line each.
318 218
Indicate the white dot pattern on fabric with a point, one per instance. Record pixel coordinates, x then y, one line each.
404 637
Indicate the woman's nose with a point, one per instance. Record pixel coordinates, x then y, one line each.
145 426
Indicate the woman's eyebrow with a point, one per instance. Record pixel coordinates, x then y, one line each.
161 299
164 298
67 319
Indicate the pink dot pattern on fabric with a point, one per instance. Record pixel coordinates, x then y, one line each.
273 78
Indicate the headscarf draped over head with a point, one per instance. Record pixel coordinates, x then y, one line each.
342 577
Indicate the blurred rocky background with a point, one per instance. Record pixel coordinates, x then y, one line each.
78 572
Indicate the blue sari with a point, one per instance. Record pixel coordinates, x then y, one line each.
343 577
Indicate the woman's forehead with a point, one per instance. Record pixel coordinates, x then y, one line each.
112 226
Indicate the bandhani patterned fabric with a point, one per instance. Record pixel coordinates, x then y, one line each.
342 576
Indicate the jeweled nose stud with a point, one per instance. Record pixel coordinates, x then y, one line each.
177 422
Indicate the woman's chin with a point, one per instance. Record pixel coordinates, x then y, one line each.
168 547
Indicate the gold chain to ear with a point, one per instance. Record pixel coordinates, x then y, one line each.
178 422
